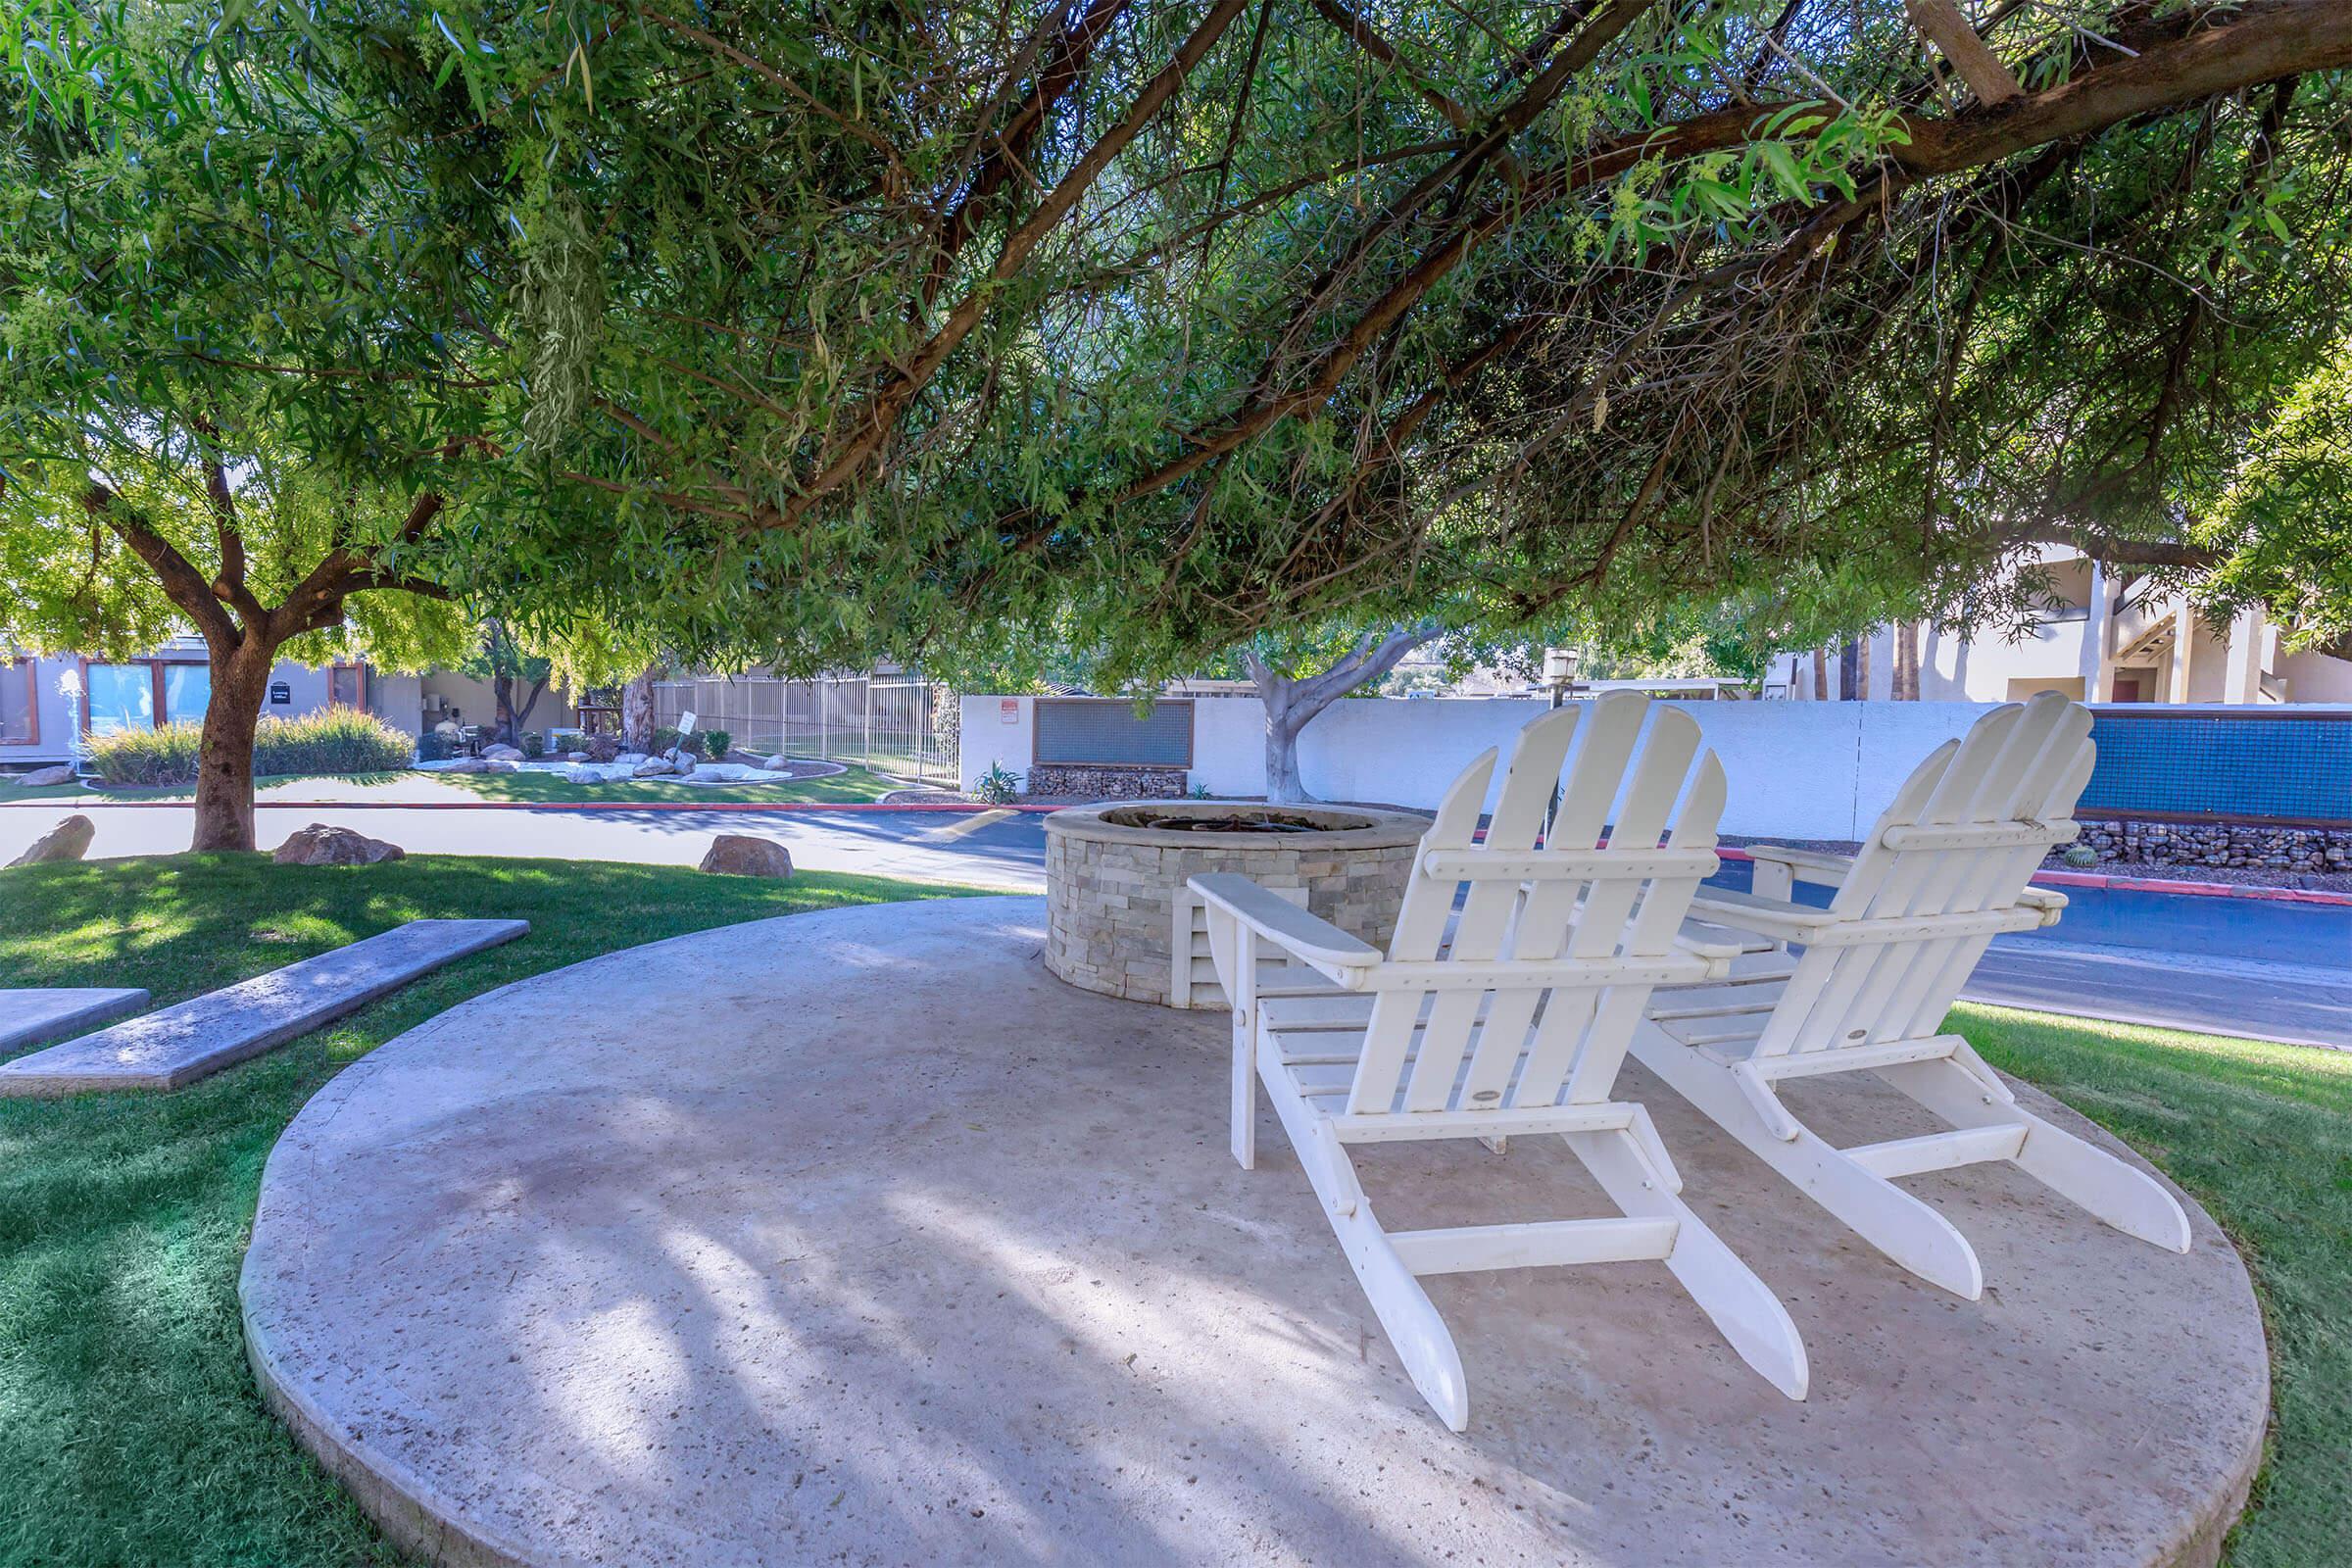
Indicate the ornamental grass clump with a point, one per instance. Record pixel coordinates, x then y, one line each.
335 741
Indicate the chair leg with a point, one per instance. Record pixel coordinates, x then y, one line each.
2125 1197
1908 1231
1244 1094
1741 1304
1407 1314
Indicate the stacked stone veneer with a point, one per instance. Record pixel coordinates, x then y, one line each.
1104 783
2138 841
1111 890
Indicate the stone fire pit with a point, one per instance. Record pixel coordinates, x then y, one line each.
1120 920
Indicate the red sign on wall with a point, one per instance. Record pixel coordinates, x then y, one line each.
1008 709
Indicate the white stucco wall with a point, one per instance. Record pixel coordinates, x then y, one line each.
1819 771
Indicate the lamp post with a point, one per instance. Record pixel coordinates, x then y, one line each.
1559 673
69 686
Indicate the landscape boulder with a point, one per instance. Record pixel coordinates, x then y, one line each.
40 778
651 767
500 764
775 765
323 844
71 839
501 753
741 854
632 759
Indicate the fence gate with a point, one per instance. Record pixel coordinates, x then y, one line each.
888 723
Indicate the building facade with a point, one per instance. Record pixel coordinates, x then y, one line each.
49 704
2105 636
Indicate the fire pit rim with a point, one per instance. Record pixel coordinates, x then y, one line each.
1380 827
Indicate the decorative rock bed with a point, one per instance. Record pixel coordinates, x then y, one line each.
1121 922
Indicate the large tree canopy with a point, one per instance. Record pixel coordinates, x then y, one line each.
901 324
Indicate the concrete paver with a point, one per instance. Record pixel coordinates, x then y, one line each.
205 1034
27 1015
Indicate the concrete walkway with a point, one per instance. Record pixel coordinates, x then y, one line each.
887 1247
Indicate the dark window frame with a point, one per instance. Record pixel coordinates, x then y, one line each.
32 697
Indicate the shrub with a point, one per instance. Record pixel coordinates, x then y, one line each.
603 748
434 746
999 784
691 744
716 743
337 741
533 744
665 737
146 759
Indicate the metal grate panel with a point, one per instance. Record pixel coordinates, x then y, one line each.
2275 767
1101 732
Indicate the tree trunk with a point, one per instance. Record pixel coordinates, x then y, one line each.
224 757
1285 718
506 727
1821 676
637 713
1292 700
1849 668
1906 660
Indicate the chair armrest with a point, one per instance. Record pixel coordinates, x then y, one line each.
1716 954
1771 917
1816 866
2046 901
1285 924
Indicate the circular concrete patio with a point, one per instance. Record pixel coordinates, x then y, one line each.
857 1236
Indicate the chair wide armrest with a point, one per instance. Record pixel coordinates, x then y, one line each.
1771 917
1715 954
1806 866
2045 901
1295 930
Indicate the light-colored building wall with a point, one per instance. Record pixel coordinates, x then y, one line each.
444 692
395 699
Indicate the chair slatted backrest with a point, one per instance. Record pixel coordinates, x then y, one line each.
1962 837
1519 1036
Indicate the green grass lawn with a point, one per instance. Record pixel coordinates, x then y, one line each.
2263 1136
857 784
854 785
132 1433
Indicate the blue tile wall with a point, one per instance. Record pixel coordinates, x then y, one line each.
2222 766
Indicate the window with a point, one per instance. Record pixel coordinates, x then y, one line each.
1105 732
120 697
347 687
187 689
20 702
144 694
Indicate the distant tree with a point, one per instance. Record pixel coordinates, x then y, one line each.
507 669
235 400
1295 693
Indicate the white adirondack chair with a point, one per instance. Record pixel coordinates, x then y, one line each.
1945 871
1515 1023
